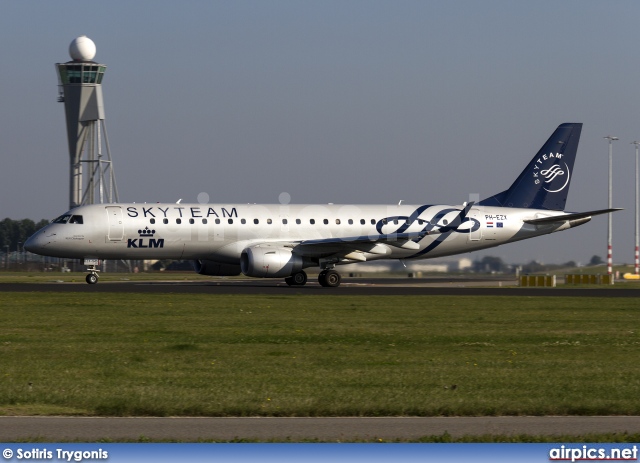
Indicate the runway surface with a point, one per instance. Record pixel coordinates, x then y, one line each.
88 429
349 287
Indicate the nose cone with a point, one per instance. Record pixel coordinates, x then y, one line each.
39 241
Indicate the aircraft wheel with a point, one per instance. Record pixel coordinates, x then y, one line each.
92 278
333 279
297 279
329 279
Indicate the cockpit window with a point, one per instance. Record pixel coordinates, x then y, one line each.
62 219
68 218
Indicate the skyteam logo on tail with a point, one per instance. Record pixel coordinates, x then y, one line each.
552 172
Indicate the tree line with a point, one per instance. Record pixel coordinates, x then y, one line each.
14 232
493 264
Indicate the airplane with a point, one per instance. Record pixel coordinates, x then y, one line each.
282 240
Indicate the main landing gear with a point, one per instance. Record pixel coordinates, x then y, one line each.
297 279
327 278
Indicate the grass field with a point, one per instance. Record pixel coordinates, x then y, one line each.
199 355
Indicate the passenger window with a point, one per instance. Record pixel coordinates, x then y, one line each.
362 222
337 221
230 221
269 221
350 221
165 220
326 222
256 221
204 221
243 221
178 221
373 221
217 221
446 222
152 221
285 221
384 221
298 221
191 221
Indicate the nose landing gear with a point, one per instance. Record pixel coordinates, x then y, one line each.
92 277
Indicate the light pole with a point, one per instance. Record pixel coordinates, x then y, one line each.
609 250
637 257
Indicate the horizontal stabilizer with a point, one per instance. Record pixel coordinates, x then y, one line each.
577 215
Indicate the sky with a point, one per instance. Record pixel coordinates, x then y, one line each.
346 102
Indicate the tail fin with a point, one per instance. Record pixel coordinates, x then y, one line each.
544 183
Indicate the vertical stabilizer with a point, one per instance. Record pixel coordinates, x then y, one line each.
544 183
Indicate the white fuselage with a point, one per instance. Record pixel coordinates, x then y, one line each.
220 232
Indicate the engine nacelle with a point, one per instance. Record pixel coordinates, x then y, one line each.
213 268
269 262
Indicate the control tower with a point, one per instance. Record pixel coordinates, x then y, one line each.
92 178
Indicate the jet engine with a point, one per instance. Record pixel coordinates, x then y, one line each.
213 268
269 262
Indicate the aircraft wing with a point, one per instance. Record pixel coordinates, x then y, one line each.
368 243
353 247
574 216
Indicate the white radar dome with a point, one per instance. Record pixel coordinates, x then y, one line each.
82 49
